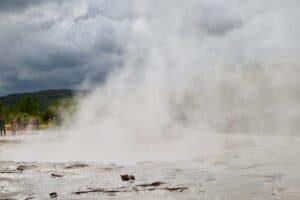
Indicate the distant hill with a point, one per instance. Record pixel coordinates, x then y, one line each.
44 97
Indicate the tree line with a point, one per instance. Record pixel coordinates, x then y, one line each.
27 107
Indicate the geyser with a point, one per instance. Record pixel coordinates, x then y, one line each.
192 70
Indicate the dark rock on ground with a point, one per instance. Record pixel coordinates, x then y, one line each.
175 189
53 195
9 171
153 184
7 199
77 165
112 191
25 167
127 177
101 190
56 175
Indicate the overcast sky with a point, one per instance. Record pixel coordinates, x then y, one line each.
47 44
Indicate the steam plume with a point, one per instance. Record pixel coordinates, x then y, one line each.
193 69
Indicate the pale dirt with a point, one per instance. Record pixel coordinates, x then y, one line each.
256 168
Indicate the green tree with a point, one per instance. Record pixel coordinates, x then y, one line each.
27 105
47 114
3 111
1 108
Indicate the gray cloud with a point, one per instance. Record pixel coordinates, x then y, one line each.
15 5
51 45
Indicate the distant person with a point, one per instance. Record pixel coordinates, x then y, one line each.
20 124
33 123
14 125
2 126
49 122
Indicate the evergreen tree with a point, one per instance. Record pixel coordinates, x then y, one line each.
27 105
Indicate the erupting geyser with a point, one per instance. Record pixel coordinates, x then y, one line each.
192 72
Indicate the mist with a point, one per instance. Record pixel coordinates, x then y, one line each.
193 72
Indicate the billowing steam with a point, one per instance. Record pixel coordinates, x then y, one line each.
192 69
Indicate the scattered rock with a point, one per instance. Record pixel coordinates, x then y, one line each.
112 167
126 177
274 193
53 195
110 191
176 189
25 167
7 199
77 165
56 175
153 184
114 191
9 171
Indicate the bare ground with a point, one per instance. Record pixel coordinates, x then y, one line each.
248 170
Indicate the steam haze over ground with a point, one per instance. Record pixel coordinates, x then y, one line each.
191 73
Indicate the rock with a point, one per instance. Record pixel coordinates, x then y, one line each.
7 199
53 195
21 167
56 175
100 190
176 189
25 167
9 171
77 165
147 188
127 177
154 184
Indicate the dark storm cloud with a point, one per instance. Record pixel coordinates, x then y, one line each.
17 5
51 45
60 44
54 59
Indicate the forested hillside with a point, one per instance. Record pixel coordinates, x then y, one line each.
43 98
42 105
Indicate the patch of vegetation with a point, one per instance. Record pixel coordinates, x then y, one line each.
43 106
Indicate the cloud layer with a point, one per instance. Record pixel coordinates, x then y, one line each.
59 44
66 44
